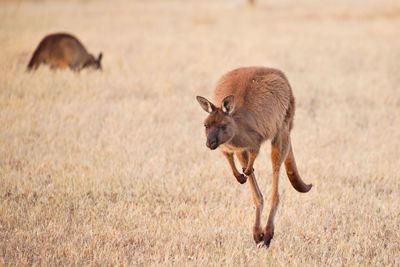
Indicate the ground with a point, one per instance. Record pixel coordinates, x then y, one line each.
111 168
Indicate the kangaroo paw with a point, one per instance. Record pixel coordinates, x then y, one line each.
241 178
248 172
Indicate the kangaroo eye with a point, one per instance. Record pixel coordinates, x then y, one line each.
206 126
223 127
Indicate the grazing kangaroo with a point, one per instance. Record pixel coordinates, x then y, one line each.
252 105
63 50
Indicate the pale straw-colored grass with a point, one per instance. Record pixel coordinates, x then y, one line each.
110 168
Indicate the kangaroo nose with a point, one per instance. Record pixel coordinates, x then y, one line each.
212 144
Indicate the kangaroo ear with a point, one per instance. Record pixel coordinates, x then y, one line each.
100 57
205 104
228 104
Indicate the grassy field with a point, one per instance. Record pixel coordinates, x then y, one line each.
111 168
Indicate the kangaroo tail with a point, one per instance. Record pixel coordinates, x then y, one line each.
293 174
34 62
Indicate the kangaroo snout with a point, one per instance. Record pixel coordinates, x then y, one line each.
212 143
212 138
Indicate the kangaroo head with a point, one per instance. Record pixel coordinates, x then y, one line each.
220 127
93 62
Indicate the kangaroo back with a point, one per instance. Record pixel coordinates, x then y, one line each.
262 95
62 50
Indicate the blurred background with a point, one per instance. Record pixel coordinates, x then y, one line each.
111 167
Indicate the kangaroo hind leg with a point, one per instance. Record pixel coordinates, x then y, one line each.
279 148
258 200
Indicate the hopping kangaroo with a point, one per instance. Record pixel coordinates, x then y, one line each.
62 50
252 105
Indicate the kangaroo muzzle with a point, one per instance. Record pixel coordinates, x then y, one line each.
212 144
212 140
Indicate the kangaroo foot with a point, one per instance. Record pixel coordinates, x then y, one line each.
258 235
268 235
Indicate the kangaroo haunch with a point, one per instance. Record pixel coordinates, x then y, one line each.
62 51
253 105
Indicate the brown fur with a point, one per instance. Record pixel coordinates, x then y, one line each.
62 51
253 105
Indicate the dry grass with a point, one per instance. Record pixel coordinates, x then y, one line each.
111 168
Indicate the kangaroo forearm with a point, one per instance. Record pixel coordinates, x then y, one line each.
239 177
249 168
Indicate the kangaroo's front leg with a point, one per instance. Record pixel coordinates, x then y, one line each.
239 177
252 155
